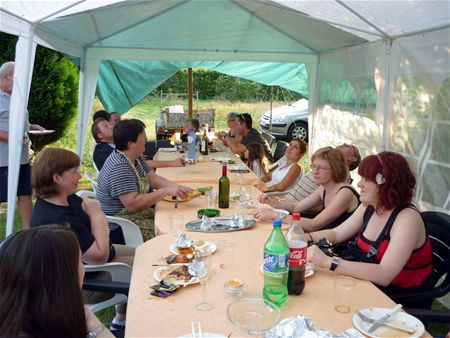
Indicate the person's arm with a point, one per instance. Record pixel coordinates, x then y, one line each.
94 324
340 204
134 202
236 148
4 136
178 162
98 253
287 180
407 233
36 127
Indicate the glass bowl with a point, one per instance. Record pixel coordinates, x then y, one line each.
254 315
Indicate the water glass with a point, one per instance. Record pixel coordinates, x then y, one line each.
211 199
226 250
202 267
344 288
176 222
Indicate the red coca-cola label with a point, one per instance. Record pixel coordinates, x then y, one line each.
297 256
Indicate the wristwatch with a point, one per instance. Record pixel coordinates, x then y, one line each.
96 332
334 263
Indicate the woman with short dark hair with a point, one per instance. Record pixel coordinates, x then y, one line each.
388 228
40 279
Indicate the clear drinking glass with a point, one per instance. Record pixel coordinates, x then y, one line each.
176 222
202 266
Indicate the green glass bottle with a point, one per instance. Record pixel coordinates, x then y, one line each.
224 188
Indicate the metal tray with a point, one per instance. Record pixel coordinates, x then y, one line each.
195 225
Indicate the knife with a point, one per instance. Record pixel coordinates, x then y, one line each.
382 320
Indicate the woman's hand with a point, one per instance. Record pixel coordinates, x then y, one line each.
91 207
318 258
265 214
178 162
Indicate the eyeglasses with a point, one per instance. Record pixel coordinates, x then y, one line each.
319 168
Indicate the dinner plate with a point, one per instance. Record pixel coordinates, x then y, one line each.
282 213
188 197
158 274
168 150
400 318
41 132
210 245
219 227
204 335
308 273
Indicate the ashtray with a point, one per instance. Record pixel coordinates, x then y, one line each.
234 287
208 213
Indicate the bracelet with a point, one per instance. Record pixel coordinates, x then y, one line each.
310 236
96 332
334 263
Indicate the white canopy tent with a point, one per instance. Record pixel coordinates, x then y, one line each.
378 71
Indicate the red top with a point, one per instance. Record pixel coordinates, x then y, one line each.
417 268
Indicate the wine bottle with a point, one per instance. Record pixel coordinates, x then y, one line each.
224 188
204 143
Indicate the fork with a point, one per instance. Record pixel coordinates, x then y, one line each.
194 334
366 319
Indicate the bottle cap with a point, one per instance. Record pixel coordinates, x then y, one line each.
277 223
296 216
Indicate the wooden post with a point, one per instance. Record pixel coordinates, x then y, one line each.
190 92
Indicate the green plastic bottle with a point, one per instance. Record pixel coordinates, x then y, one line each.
276 267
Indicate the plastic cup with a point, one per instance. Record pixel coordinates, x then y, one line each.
176 222
211 199
226 250
344 288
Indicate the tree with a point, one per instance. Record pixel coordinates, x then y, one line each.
54 90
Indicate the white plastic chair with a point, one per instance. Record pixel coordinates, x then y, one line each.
119 272
86 194
131 232
92 178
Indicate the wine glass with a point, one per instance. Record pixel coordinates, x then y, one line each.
202 266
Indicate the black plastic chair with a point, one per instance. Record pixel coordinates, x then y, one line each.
438 229
279 150
269 138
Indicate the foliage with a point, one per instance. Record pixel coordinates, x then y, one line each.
213 85
53 97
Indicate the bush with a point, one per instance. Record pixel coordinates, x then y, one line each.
53 97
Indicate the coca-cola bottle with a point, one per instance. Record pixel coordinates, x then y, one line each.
297 256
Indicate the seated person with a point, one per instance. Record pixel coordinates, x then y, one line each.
125 179
388 222
101 114
287 172
338 198
249 134
306 185
232 133
41 275
256 159
188 125
55 178
114 118
102 131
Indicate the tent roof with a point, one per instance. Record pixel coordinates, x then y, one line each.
223 30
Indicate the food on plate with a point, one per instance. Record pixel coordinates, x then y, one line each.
202 190
385 332
178 275
179 259
184 245
188 197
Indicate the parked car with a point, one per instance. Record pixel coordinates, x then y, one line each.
289 121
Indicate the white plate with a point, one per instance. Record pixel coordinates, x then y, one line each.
211 246
168 150
308 273
204 335
282 213
157 274
400 318
221 159
41 132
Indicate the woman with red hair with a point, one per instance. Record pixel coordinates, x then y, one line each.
390 234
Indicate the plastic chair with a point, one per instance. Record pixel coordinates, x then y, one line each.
279 150
438 229
86 194
92 178
131 232
119 285
269 138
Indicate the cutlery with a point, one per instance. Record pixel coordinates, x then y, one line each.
176 202
193 330
366 319
382 320
200 334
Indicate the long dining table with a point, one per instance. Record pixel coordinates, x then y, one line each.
150 316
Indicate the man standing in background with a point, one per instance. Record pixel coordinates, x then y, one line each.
24 190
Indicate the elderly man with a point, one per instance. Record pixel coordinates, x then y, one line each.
249 134
306 185
102 132
24 190
125 179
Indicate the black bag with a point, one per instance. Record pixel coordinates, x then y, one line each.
348 251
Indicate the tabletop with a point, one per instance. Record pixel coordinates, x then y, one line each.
207 169
149 316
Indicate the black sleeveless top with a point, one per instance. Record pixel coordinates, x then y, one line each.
345 214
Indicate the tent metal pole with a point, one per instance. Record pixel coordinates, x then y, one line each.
386 94
271 104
